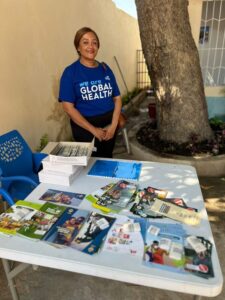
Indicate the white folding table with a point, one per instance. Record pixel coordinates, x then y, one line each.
179 180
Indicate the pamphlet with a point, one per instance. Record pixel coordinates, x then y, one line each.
125 237
199 263
92 233
66 198
17 215
164 246
67 227
41 221
144 200
175 212
117 197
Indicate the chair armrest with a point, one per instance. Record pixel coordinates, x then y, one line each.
18 178
37 159
6 196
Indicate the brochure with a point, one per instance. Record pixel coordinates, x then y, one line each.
199 263
125 237
175 212
66 198
16 216
164 246
41 221
92 233
67 227
144 200
117 197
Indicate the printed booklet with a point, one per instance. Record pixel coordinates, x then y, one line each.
125 237
92 233
144 200
116 198
198 256
59 167
164 246
116 169
167 246
176 212
66 198
17 215
80 229
57 177
67 227
41 221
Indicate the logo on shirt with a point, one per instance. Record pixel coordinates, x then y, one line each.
107 78
95 90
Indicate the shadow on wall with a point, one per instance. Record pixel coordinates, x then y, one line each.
58 115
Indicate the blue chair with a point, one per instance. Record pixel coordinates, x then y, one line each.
19 166
6 197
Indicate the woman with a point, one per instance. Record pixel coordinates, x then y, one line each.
90 95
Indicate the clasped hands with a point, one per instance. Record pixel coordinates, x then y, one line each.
104 134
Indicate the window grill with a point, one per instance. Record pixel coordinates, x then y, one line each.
143 80
212 42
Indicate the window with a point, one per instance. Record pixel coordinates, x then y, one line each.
212 42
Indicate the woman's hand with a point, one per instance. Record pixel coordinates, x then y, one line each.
77 118
109 132
99 133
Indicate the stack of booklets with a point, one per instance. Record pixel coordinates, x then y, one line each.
64 162
75 153
58 173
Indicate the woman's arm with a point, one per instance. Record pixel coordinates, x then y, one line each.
77 118
110 130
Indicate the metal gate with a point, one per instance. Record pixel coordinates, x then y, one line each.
143 80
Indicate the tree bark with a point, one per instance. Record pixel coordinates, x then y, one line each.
174 68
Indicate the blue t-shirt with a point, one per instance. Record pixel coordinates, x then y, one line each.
91 90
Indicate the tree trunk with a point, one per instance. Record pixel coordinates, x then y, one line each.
174 68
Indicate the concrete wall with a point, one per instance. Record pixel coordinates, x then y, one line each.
195 12
36 45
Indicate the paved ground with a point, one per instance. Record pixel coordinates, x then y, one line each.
49 284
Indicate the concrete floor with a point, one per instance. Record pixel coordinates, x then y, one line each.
49 284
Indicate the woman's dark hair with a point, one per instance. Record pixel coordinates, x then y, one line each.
80 33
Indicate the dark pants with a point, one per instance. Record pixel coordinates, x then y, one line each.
104 148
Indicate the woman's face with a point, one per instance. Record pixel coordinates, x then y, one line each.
88 46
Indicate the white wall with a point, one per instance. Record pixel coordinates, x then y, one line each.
36 45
